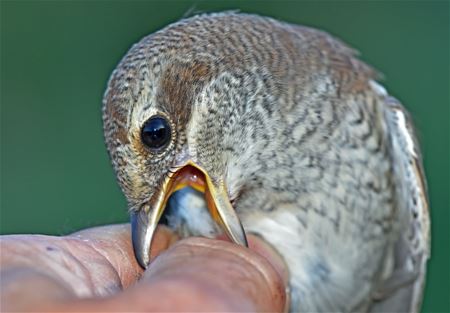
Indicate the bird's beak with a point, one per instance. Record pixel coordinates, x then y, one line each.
145 221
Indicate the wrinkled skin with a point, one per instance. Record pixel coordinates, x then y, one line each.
95 270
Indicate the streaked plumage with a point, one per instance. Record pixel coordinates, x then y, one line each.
316 157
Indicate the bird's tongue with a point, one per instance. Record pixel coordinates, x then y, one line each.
189 176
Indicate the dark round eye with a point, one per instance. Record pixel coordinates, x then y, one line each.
156 133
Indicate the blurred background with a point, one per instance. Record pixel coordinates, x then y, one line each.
56 58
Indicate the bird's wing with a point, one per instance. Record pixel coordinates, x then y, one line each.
403 290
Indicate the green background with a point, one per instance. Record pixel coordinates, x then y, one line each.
56 58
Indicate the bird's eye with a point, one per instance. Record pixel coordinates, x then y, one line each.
156 132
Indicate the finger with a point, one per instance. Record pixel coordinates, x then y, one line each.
200 274
264 249
113 242
92 262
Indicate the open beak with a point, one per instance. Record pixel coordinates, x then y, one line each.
145 221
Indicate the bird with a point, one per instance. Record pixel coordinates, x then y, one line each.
279 130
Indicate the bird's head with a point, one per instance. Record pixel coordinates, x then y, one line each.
187 106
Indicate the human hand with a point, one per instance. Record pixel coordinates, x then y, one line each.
95 270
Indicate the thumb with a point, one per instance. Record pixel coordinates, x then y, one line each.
199 274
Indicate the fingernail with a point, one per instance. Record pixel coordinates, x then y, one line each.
263 248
